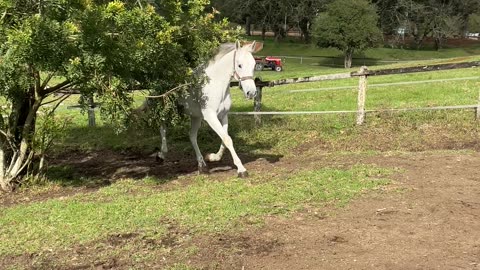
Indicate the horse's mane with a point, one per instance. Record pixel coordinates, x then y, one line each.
223 49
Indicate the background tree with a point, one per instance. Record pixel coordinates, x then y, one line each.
464 9
429 18
474 23
304 14
445 23
103 48
439 19
348 25
272 15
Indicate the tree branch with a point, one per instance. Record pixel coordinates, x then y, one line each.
52 101
47 80
12 162
58 104
27 161
170 91
7 137
36 76
58 87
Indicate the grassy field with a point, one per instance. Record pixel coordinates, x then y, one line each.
317 61
205 206
209 204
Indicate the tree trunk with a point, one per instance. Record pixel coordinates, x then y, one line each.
438 43
5 186
19 114
303 24
348 58
278 32
464 25
264 31
248 25
16 150
417 37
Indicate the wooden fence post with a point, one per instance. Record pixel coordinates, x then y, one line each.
91 112
362 95
257 103
477 115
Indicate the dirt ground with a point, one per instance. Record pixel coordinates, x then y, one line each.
429 218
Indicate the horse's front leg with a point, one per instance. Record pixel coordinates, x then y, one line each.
161 155
215 124
196 122
213 157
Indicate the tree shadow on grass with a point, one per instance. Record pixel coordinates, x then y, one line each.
357 61
95 157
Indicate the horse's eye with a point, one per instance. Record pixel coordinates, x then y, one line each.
239 66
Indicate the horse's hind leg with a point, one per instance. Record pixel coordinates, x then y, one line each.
160 155
213 157
195 125
215 124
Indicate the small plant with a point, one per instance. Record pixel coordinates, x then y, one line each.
49 129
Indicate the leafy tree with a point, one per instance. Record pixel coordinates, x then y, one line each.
268 14
444 23
102 48
464 9
272 14
425 18
439 19
348 25
305 12
474 23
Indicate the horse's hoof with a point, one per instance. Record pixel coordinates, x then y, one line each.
243 174
207 158
203 170
211 158
159 159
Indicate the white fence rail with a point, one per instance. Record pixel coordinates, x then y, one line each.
363 75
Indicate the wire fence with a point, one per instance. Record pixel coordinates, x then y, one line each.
363 74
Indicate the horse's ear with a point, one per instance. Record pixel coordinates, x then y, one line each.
252 46
257 46
237 45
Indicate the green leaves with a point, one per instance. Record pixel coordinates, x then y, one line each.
104 49
143 44
348 25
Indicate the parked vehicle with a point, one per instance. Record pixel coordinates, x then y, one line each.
268 62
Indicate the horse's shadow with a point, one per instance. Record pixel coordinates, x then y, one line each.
131 155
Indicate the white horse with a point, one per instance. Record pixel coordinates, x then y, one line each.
213 105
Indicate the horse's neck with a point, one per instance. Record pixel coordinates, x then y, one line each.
222 68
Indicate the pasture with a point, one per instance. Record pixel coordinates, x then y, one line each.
399 192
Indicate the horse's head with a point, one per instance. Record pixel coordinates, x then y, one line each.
244 66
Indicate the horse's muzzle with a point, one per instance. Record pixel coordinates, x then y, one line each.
251 94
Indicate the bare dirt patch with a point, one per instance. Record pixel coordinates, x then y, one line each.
429 218
88 171
430 221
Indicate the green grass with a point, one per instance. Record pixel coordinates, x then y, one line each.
204 206
208 205
293 47
320 61
278 135
279 99
396 96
